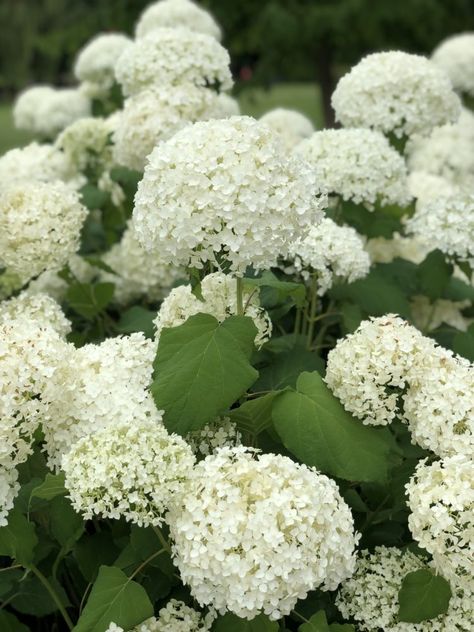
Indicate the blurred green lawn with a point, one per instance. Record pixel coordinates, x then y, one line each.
253 101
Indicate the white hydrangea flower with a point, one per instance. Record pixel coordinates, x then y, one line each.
428 316
441 501
50 283
224 186
225 106
97 386
154 115
447 223
330 252
130 469
455 55
219 298
219 434
46 111
383 250
368 370
29 354
176 616
39 307
395 92
129 261
447 152
86 144
40 226
256 533
39 163
173 56
175 13
357 164
291 126
425 186
370 596
95 62
439 404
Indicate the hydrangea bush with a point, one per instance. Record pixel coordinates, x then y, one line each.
236 379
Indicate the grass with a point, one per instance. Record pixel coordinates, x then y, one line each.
304 97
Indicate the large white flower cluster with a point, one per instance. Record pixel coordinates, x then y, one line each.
176 616
425 186
225 106
447 152
86 143
370 596
256 533
175 13
439 405
369 369
441 501
332 253
383 250
455 55
221 433
97 386
173 56
36 163
359 165
29 353
219 298
39 307
129 261
395 92
154 115
95 62
40 226
225 188
128 470
447 223
291 126
46 111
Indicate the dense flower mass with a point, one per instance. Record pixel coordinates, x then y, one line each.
357 164
96 386
395 92
291 126
331 253
176 616
225 106
40 225
218 298
128 260
86 144
130 469
173 56
45 111
257 532
36 163
154 115
369 369
441 501
370 596
447 223
439 405
174 13
38 307
455 55
219 434
425 186
223 189
95 62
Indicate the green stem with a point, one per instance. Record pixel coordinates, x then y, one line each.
143 564
240 296
312 310
299 314
54 595
164 542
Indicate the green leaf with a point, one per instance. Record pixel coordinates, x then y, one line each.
92 197
232 623
457 290
137 319
255 415
463 344
315 427
95 550
33 598
114 597
18 539
201 369
283 290
66 525
52 486
285 368
88 299
341 627
382 222
9 623
434 274
317 623
423 596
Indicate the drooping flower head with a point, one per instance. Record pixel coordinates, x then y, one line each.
395 92
95 62
173 56
256 533
290 125
175 13
455 55
224 190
